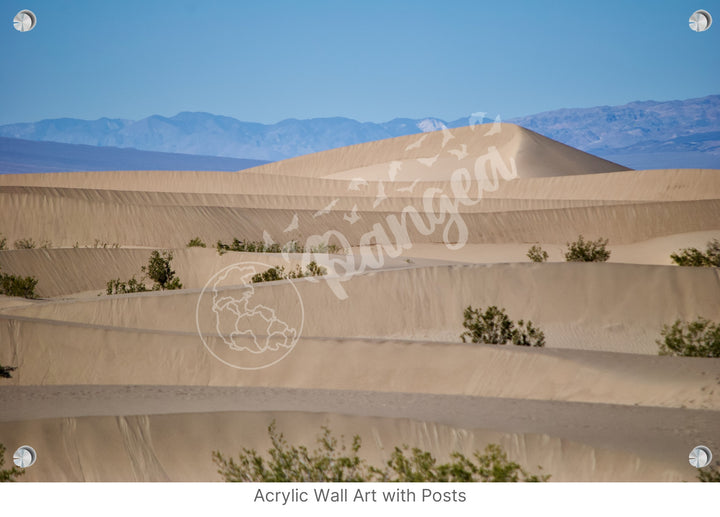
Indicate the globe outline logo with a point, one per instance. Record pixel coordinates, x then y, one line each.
211 289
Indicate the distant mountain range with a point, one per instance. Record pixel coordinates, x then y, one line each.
21 156
641 135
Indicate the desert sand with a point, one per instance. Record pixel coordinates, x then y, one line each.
123 387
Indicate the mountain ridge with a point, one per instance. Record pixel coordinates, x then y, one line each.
645 134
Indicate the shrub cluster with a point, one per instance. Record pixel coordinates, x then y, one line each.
158 270
8 474
196 242
24 244
279 273
587 251
699 338
332 461
709 475
6 371
3 242
695 257
262 247
14 285
537 254
494 327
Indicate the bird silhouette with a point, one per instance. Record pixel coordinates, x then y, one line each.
380 195
416 144
267 239
327 209
447 136
409 188
352 217
356 182
460 153
395 167
495 128
293 224
428 162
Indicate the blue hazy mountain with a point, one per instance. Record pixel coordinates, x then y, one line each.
20 156
640 134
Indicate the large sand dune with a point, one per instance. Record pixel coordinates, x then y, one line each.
122 388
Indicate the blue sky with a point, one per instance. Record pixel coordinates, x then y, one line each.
370 60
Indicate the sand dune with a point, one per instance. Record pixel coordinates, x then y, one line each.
122 388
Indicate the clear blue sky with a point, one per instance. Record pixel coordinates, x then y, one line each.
371 60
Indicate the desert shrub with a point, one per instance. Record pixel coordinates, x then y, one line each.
3 242
279 273
587 251
195 242
8 474
695 257
537 254
494 327
24 244
699 338
6 371
97 243
14 285
527 335
261 247
116 286
333 461
248 246
709 475
159 270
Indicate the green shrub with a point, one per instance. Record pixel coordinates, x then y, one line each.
159 270
494 327
5 371
537 254
279 273
587 251
261 247
196 243
3 242
24 244
14 285
695 257
248 246
131 286
332 461
709 475
8 474
699 338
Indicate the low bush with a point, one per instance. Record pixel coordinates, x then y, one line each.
8 474
262 247
709 475
537 254
6 371
195 242
24 244
587 251
158 270
116 286
15 285
3 242
332 461
695 257
699 338
494 327
279 273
